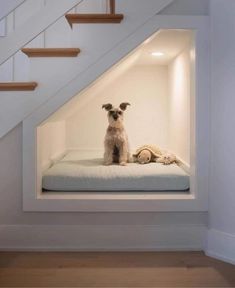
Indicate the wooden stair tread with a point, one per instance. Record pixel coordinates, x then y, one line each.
51 52
94 18
18 86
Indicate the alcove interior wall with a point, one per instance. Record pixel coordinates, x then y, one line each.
158 89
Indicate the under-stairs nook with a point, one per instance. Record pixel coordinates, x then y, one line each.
157 69
115 128
158 87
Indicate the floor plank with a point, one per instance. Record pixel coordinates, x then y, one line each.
146 269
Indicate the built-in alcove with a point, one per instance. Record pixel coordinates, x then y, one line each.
156 79
165 79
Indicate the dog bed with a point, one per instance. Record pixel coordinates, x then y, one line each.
85 172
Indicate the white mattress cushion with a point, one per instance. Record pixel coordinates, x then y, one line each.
85 172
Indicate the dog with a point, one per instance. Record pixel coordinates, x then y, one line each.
116 147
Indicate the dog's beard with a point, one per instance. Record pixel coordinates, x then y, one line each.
116 123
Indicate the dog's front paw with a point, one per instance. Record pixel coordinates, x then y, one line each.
123 163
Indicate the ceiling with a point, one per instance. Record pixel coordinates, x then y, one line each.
170 42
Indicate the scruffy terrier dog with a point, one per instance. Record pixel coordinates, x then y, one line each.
116 142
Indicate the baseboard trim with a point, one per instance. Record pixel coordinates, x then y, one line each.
221 245
102 237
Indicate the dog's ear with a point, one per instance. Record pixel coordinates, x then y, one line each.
107 107
124 105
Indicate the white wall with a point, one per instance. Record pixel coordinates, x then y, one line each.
146 120
159 112
187 7
2 27
11 214
8 6
51 142
222 181
179 105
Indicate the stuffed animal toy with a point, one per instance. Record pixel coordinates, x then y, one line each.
150 153
146 154
167 159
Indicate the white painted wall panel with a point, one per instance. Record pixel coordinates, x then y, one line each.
37 42
59 34
222 182
221 235
9 23
161 91
6 70
146 120
179 105
17 68
91 6
26 11
6 6
2 28
21 67
187 7
45 69
51 143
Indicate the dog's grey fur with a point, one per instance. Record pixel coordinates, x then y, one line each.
116 141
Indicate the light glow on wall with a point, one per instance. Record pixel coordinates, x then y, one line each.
157 54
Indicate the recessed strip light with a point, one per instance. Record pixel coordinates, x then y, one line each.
157 54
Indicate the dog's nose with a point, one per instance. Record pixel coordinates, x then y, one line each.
115 117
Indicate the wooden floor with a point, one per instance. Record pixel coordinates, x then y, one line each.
183 269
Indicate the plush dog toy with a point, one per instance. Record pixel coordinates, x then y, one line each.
150 153
146 154
167 159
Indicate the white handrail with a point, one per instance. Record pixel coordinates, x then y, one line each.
38 23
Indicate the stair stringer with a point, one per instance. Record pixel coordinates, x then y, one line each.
15 107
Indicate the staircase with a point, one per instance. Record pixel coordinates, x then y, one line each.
62 52
18 99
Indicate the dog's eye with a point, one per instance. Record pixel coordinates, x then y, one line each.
119 112
111 112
